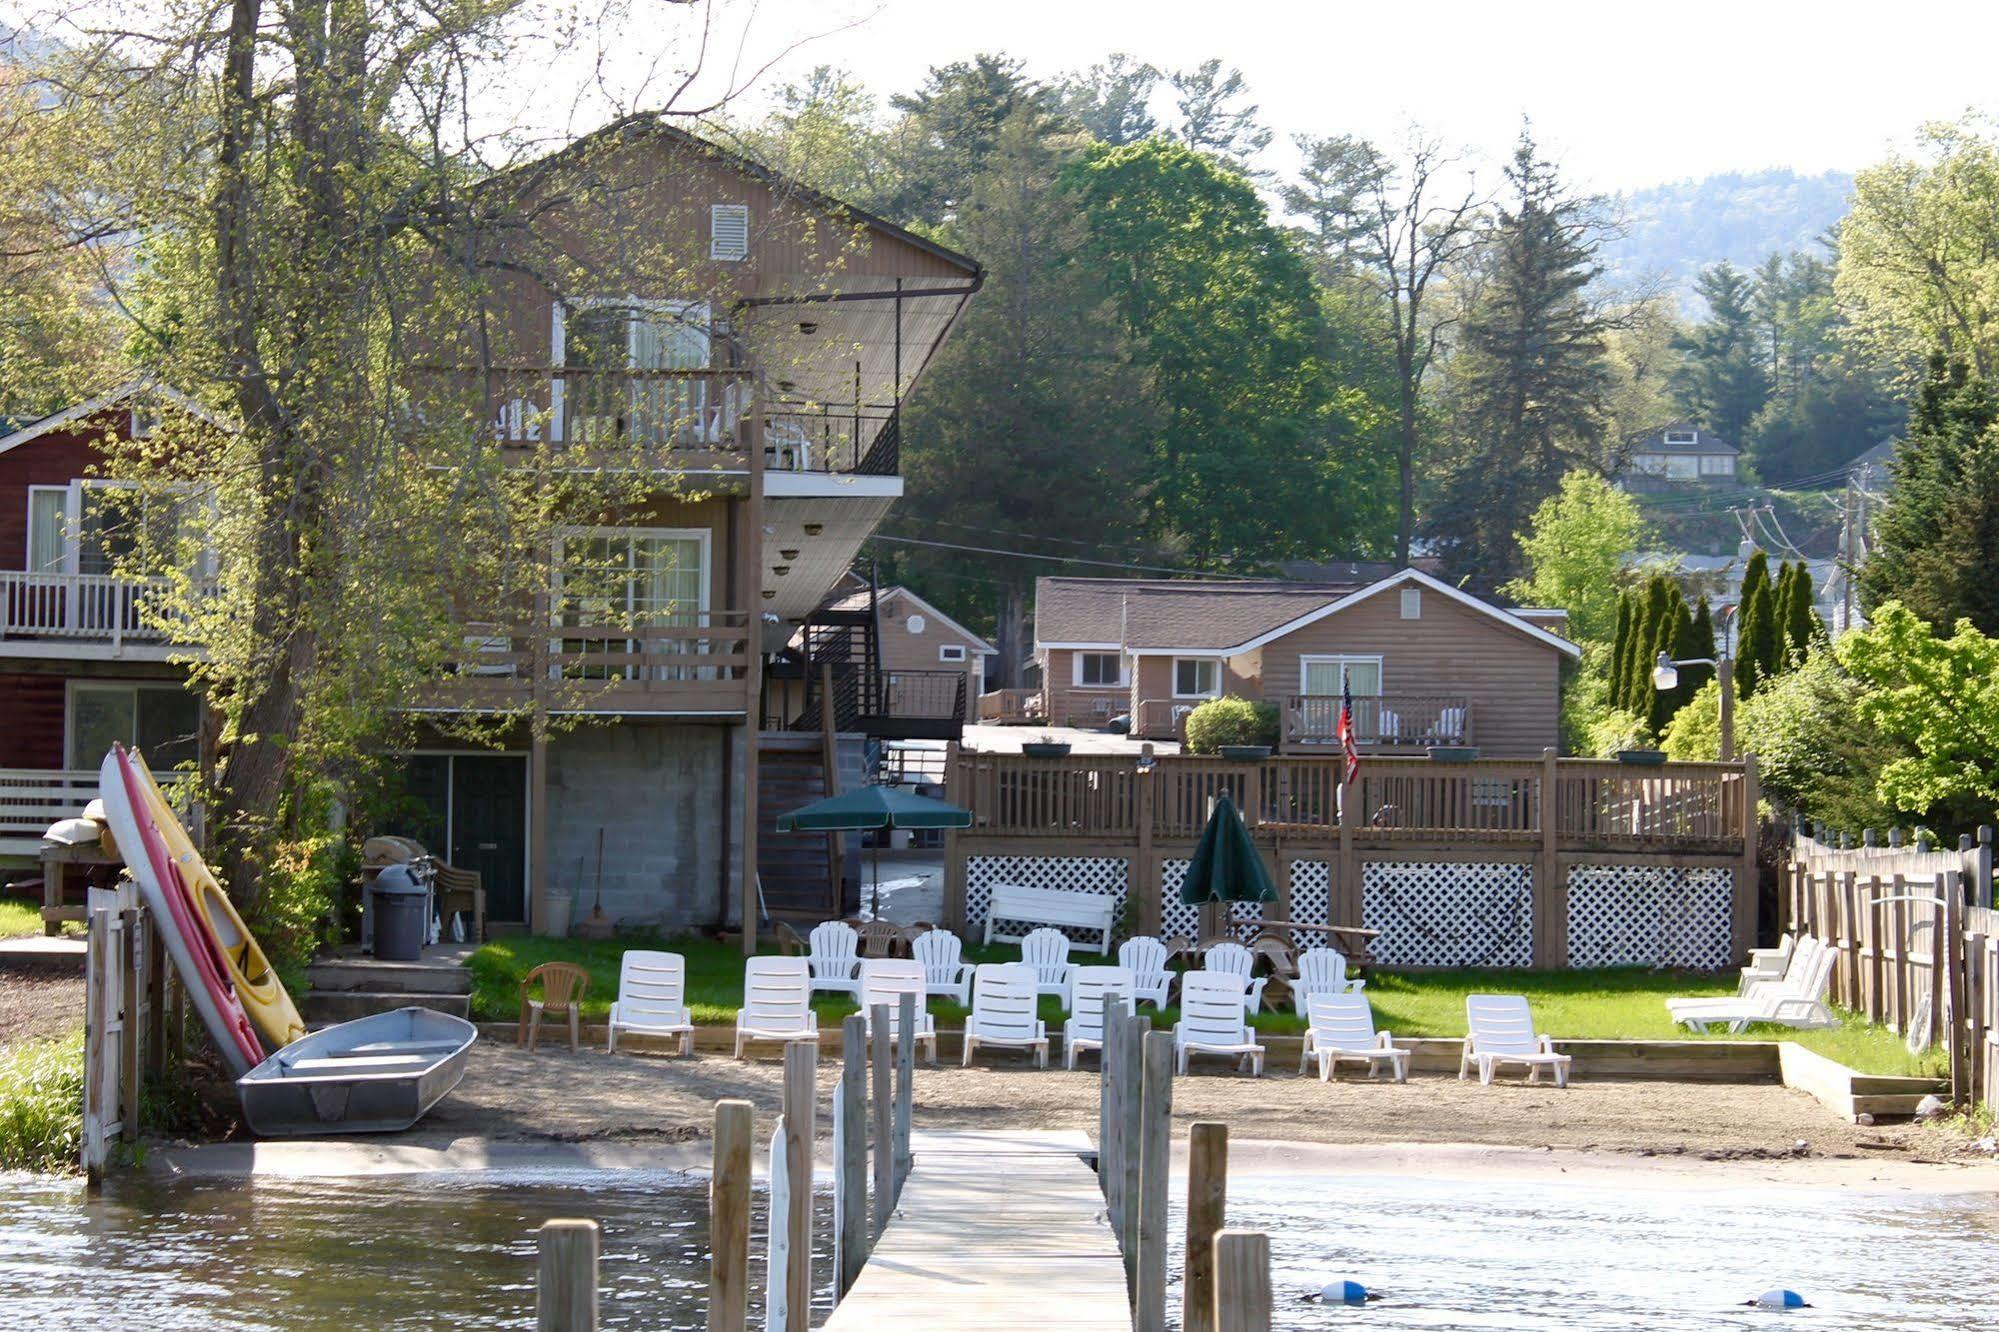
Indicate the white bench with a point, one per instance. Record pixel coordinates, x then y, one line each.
1051 906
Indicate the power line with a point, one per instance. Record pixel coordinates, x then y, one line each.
1055 559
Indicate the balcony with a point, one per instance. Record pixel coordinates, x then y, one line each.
85 608
1382 722
697 666
920 705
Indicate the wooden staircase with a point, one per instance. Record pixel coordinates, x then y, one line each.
796 868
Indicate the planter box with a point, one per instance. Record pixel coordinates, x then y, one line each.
1453 753
1642 758
1245 753
1045 751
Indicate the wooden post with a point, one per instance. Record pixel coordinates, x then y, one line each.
1110 1111
1876 963
829 758
749 591
1551 909
801 1064
1130 1121
905 1084
851 1206
1742 915
1344 901
884 1118
1950 1020
1242 1281
96 1022
729 1219
130 996
566 1287
1155 1179
1207 1208
1143 895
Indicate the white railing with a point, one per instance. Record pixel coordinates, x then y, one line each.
82 606
33 798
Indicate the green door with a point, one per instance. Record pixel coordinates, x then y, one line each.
489 829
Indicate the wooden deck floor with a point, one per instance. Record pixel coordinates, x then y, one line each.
993 1230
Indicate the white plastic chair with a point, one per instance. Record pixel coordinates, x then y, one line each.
652 999
1089 989
1145 958
1047 951
1004 996
836 952
1234 960
777 1002
1322 971
1798 1000
1213 1021
1342 1028
1500 1031
944 971
884 980
1767 964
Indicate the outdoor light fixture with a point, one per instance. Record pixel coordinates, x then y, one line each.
780 569
770 594
807 327
814 529
789 554
1666 675
785 385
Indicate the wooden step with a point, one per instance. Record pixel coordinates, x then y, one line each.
366 973
323 1006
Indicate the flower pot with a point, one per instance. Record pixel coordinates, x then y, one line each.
1453 753
1245 753
1643 758
1045 750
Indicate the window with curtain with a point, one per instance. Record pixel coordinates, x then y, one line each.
630 579
616 339
48 542
1322 675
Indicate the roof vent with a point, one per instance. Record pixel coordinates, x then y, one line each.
728 231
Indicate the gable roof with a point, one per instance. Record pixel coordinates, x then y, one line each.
90 407
1113 613
1421 579
1703 441
859 601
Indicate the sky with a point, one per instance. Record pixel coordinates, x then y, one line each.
1624 95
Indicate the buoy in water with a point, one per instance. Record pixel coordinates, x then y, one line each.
1778 1298
1346 1292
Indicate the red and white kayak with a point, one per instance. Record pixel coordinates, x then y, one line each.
196 953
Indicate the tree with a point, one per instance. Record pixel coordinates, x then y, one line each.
1399 238
1722 382
952 123
827 131
1532 373
1577 547
1620 645
1802 630
1657 627
1211 121
1759 641
1937 694
1936 545
1111 100
1672 634
1699 644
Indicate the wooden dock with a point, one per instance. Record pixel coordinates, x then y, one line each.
993 1230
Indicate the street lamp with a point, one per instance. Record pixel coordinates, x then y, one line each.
1666 675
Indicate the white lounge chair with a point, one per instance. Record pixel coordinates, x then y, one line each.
1145 958
777 1002
652 999
836 953
1235 960
884 980
1501 1031
1342 1028
1768 963
1004 996
1212 1020
1322 971
1047 951
1798 1001
1791 980
1089 989
944 970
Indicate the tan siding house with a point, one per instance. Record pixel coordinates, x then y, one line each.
920 643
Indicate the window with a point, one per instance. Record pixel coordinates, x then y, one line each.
1717 464
1196 677
952 652
115 522
1099 670
163 721
1322 676
1683 436
1412 603
633 345
914 624
1681 466
728 231
48 543
614 578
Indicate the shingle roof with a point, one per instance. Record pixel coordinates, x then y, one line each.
1168 613
1704 441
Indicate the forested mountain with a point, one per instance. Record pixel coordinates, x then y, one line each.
1674 230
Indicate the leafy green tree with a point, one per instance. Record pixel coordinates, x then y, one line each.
1532 373
1620 645
1577 546
1721 381
1938 695
1759 640
1111 99
1214 117
1657 628
827 131
1936 545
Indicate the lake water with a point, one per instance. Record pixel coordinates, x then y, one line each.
459 1251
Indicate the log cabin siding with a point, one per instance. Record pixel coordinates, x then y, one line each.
55 459
33 734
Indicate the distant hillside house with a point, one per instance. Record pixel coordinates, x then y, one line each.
1676 455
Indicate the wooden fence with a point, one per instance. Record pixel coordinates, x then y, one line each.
133 1020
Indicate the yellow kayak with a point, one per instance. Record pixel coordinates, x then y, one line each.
257 987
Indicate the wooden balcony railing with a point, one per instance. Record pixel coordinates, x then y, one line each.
692 410
92 607
33 798
1010 707
924 695
1385 721
1088 707
1162 718
698 664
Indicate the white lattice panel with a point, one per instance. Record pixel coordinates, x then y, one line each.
1646 916
1075 874
1311 899
1180 918
1449 914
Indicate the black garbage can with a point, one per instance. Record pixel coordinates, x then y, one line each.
401 905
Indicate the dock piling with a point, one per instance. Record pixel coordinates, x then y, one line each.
729 1218
905 1080
801 1065
852 1148
884 1117
566 1285
1242 1281
1207 1212
1155 1139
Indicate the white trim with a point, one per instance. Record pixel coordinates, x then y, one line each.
1076 680
67 491
1213 661
1040 646
984 648
1422 579
829 485
1346 658
45 649
91 406
945 649
72 685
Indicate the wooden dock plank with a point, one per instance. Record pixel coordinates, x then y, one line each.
993 1230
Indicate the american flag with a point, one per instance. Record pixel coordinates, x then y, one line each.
1347 747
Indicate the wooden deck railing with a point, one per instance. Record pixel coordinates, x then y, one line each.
698 664
1010 707
670 409
88 607
1162 718
1410 721
33 798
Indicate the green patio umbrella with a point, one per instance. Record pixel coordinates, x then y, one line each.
1225 867
874 807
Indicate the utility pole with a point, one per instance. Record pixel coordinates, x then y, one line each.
1846 557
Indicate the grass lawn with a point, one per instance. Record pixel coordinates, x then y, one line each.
19 916
1616 1004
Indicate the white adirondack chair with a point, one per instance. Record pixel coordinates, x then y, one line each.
1234 960
1342 1028
944 970
836 952
1047 951
777 1002
1322 971
652 998
1145 958
1090 988
1798 1000
884 980
1212 1020
1501 1031
1004 997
